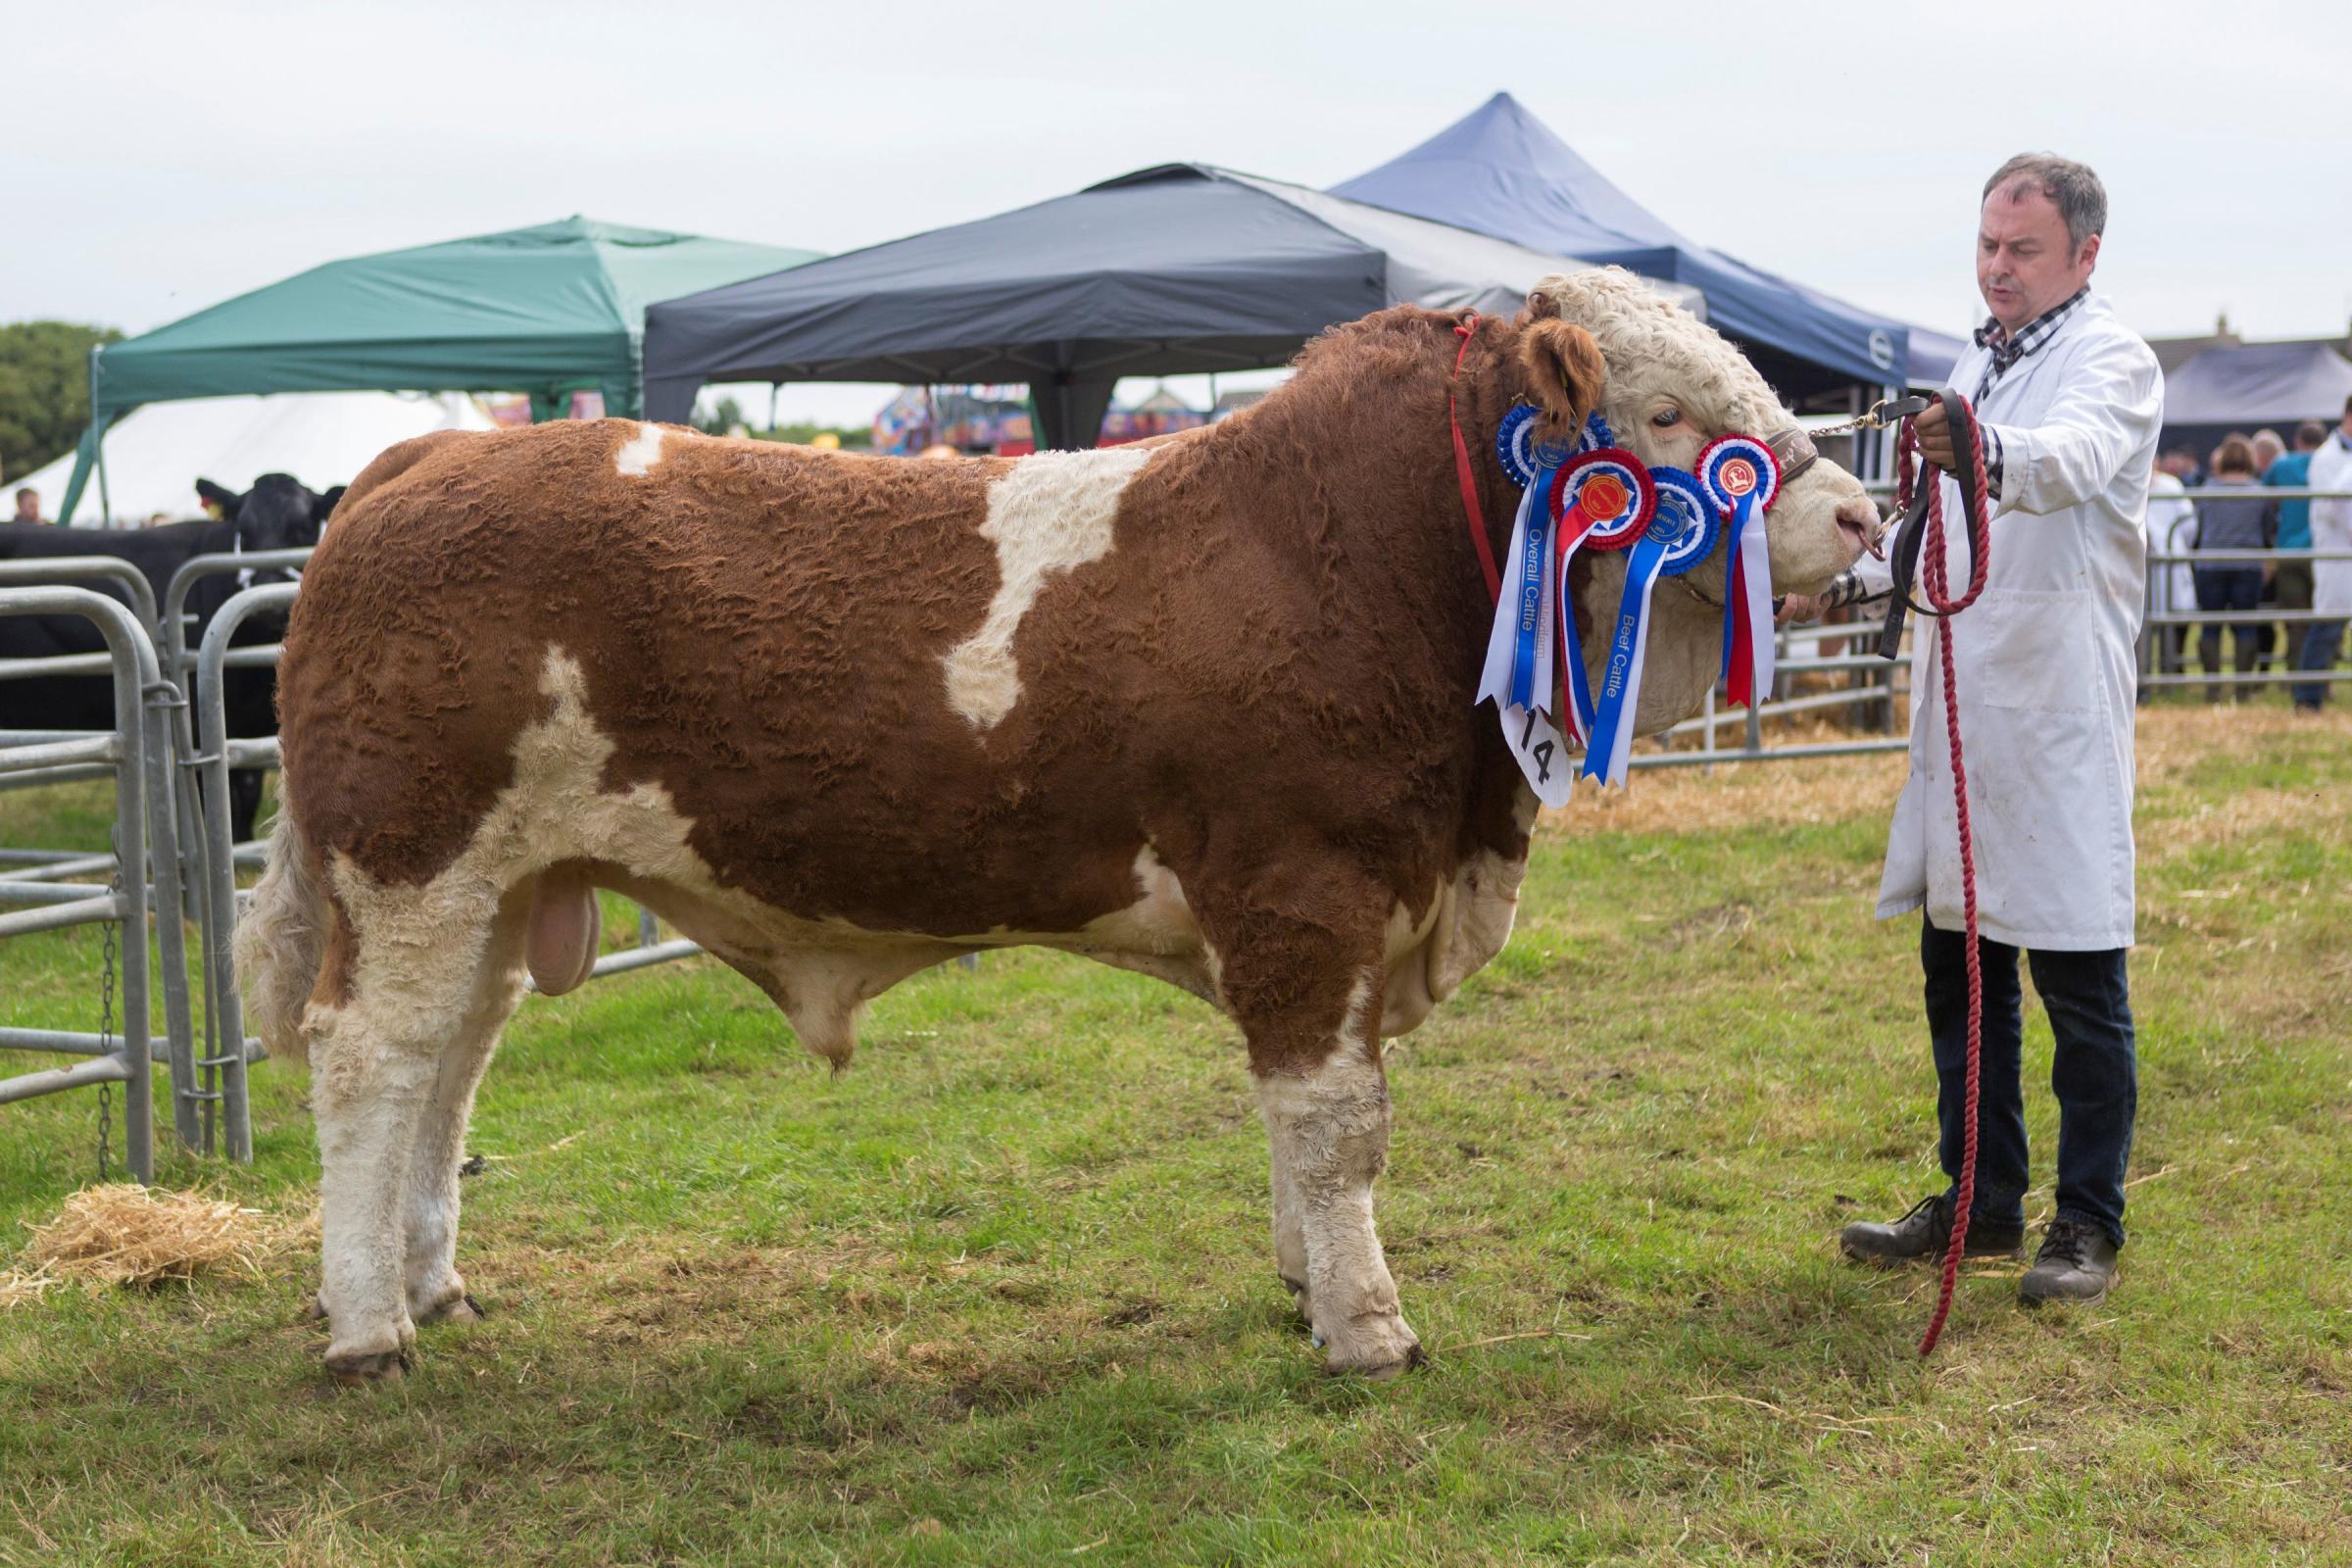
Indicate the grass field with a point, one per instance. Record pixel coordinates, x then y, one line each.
1004 1292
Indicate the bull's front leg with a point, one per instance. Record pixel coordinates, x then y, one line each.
1327 1120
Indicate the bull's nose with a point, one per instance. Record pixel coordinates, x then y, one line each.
1858 518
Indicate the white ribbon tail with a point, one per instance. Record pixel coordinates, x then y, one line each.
1755 572
1502 640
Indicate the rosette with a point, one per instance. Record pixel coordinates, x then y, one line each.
1611 499
1521 454
1742 478
1680 534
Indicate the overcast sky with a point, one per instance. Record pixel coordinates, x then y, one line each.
158 158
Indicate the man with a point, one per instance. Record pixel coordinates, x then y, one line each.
29 505
2290 583
2330 580
2068 403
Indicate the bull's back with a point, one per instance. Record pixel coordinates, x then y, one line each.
760 632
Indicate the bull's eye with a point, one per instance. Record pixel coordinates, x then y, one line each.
1666 419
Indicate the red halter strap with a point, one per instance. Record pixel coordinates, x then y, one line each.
1465 329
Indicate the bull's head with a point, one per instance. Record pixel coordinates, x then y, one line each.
1671 384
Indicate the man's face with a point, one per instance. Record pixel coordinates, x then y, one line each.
28 507
2025 264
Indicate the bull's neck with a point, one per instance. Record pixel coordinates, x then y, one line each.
1357 474
1374 462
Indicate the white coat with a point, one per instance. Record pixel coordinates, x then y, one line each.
2046 660
2331 525
2173 531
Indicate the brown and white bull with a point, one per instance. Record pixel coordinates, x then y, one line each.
1201 707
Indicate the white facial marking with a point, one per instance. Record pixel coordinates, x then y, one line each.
640 452
1049 512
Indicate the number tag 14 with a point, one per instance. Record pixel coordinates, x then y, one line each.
1541 752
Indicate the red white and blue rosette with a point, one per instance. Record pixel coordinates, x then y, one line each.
1742 478
1681 533
1532 648
1617 493
1611 499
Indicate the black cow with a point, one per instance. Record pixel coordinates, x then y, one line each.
277 514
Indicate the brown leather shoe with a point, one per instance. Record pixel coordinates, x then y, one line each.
2076 1264
1924 1234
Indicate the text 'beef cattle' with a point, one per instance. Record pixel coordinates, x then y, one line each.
1201 707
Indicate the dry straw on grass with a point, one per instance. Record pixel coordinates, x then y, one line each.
127 1235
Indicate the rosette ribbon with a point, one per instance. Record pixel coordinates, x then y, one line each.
1531 647
1680 534
1740 478
1611 500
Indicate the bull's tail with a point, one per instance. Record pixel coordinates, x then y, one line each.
281 941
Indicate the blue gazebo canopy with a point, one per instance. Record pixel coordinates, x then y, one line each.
1501 172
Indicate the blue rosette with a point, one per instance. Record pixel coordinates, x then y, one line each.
1521 454
1597 436
1685 526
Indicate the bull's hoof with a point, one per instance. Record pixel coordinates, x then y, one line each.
1376 1348
459 1309
367 1369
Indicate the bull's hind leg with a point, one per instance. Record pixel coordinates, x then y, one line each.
416 985
436 1291
1315 1054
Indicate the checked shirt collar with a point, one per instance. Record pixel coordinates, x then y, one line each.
2010 347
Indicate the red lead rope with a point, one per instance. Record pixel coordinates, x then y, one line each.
1934 581
1466 329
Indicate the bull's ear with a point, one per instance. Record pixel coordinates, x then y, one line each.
324 507
1566 375
212 494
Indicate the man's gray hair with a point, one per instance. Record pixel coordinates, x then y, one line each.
2071 188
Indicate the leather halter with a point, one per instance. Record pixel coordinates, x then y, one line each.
1793 450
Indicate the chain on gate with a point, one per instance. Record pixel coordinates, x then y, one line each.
106 1010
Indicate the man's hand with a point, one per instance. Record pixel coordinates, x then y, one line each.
1799 607
1935 433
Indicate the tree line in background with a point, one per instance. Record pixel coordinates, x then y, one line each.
44 390
728 415
45 397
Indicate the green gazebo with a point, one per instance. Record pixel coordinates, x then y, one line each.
547 311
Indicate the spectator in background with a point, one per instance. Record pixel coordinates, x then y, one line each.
2330 580
2268 447
2172 526
29 505
2291 580
2231 523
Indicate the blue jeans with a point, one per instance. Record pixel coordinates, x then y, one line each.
2094 1074
2228 588
2323 640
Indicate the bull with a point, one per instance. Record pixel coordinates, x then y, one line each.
1201 707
